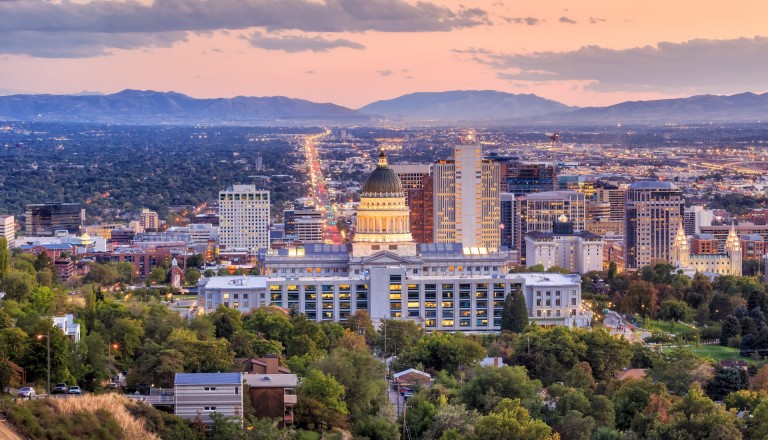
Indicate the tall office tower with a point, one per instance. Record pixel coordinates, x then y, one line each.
527 178
422 217
308 225
8 229
410 174
149 220
507 225
47 218
539 211
653 213
466 199
613 195
244 218
694 217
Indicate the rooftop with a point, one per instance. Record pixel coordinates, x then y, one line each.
271 380
652 184
208 379
237 282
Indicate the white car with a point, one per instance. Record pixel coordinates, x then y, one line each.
27 392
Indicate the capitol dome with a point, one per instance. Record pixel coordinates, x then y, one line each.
383 181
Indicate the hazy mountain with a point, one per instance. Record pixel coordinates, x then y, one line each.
149 107
463 105
702 108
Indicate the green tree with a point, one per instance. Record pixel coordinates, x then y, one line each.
450 420
321 401
489 385
270 322
518 312
726 381
127 332
35 359
375 428
673 310
361 324
731 327
156 276
680 368
42 262
226 321
362 377
5 258
631 397
757 424
449 352
613 270
10 373
103 274
576 426
580 376
606 354
18 286
510 420
400 336
13 343
191 275
640 298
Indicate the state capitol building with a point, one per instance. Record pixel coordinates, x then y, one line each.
443 286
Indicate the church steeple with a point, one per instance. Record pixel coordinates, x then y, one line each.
681 252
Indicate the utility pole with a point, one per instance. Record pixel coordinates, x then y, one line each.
47 337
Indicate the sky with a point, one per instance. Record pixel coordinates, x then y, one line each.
353 52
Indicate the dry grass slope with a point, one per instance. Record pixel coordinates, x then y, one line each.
133 428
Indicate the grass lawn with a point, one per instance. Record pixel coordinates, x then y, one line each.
312 435
717 352
677 328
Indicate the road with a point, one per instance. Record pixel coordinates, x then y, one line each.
319 190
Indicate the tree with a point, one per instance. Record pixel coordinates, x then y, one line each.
18 286
449 352
226 321
452 418
10 374
640 298
745 400
489 385
5 258
681 368
361 324
103 274
516 314
726 381
156 276
576 426
271 322
321 402
400 336
375 428
580 376
605 354
35 359
760 382
757 424
731 327
631 397
696 416
510 420
613 270
191 275
673 310
362 377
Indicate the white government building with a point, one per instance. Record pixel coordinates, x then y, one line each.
443 286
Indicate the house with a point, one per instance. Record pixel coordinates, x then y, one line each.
67 326
273 395
734 364
412 377
269 364
495 361
202 394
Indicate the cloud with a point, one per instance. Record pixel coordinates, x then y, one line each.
300 43
530 21
90 29
385 72
593 20
567 20
712 66
309 72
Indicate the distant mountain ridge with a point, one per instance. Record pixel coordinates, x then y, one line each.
150 107
463 105
482 107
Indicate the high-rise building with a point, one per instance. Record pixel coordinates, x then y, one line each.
46 218
653 212
614 196
422 217
8 229
244 218
527 177
466 199
149 220
507 214
539 211
694 217
411 174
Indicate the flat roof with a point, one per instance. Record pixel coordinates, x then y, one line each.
279 380
237 282
208 379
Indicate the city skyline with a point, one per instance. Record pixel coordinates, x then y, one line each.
352 53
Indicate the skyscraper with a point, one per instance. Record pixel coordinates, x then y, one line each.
466 199
422 217
8 229
47 218
507 225
539 211
653 213
244 218
149 220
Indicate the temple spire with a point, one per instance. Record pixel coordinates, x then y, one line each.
383 159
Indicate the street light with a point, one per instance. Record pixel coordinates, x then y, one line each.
48 344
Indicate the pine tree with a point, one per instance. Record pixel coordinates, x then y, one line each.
514 316
519 312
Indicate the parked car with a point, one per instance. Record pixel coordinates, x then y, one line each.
60 388
27 392
74 389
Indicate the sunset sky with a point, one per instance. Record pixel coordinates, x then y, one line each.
353 52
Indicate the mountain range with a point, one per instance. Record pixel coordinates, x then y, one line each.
484 107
